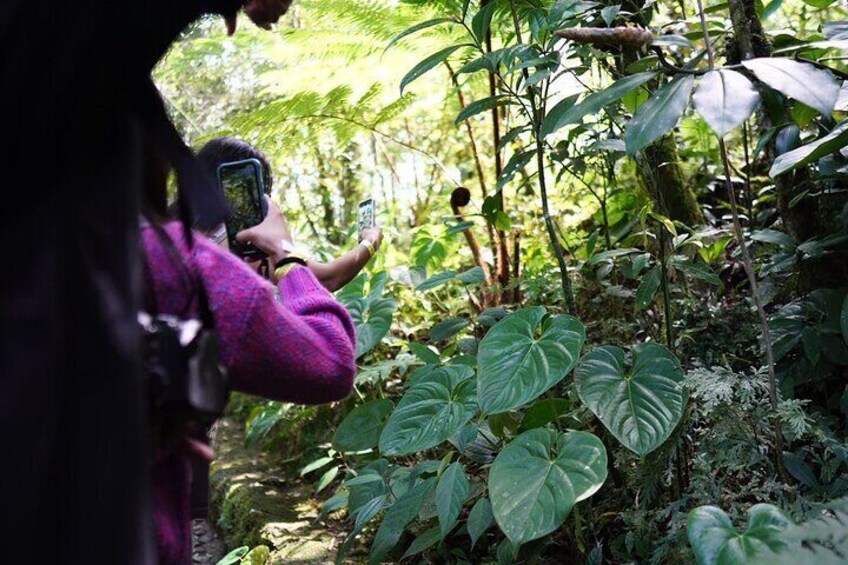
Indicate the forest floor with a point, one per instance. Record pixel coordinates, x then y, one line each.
253 502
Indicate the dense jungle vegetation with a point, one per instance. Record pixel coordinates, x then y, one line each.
609 320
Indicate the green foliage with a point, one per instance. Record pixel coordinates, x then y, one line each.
361 429
716 542
725 99
480 519
540 476
640 404
821 539
561 116
659 114
524 355
451 493
814 87
371 313
431 411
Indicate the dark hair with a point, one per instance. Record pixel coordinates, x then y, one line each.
227 149
154 195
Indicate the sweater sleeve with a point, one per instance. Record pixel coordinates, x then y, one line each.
298 349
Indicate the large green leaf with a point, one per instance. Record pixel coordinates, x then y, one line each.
715 541
480 519
659 114
524 355
428 249
368 485
640 405
431 411
427 64
834 141
725 99
361 429
373 318
397 517
537 479
450 494
572 114
814 87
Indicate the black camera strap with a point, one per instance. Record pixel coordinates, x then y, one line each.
199 201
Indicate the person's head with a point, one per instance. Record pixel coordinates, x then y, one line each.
228 149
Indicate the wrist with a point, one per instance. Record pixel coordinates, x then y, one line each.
286 264
284 249
368 246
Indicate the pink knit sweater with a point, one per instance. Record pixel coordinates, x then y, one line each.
298 349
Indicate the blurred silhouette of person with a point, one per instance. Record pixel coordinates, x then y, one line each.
75 81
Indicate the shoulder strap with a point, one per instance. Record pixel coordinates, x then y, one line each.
199 200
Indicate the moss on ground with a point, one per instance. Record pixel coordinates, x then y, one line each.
253 504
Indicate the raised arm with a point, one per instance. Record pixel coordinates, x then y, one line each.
342 270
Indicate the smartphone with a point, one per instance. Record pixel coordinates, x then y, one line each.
244 191
366 214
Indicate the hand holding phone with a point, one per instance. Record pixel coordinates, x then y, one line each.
244 191
366 218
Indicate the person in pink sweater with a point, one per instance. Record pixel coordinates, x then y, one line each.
297 348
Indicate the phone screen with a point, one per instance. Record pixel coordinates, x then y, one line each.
241 182
366 214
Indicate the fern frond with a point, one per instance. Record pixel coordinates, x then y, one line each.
822 540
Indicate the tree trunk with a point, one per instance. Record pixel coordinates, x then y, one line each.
812 217
660 170
662 174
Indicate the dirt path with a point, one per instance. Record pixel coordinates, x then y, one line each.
253 504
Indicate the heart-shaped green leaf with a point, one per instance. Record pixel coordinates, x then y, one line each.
524 355
716 542
373 318
640 405
431 411
361 429
537 479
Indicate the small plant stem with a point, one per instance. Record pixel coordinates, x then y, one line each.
749 195
567 291
752 276
669 335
